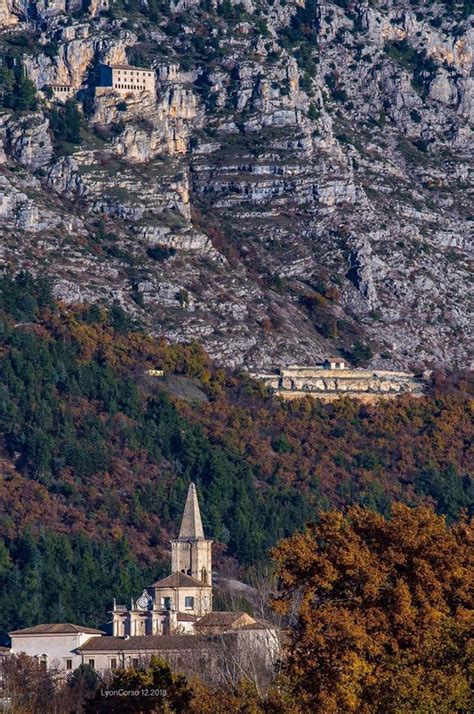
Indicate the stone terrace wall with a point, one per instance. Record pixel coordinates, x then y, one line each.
331 383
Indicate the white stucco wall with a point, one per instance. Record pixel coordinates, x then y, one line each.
103 661
187 628
57 647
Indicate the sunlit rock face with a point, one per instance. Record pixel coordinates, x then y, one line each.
299 184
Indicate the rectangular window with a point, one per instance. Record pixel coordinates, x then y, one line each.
166 602
91 663
69 664
113 663
189 603
135 662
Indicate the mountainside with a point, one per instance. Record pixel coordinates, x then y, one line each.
300 184
96 457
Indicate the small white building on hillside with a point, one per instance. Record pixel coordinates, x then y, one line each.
334 363
62 92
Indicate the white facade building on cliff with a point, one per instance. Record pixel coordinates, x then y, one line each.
126 79
62 92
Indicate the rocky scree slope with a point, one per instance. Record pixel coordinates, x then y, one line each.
301 184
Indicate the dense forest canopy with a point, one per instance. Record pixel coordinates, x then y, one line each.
97 457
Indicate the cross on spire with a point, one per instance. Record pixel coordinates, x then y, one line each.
191 524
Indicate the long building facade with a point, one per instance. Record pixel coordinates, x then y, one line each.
126 79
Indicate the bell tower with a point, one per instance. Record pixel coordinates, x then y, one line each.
191 551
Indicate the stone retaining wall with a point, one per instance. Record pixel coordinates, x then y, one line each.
330 384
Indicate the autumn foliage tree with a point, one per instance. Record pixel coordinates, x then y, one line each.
383 612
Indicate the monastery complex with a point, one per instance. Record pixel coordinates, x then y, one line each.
122 79
333 379
172 618
180 599
125 78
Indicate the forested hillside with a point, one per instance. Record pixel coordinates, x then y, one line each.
96 456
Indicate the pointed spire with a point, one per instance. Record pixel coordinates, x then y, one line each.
191 525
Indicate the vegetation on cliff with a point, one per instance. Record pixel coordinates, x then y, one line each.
338 125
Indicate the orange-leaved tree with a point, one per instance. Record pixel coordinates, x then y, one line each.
382 612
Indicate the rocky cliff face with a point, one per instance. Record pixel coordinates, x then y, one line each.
300 184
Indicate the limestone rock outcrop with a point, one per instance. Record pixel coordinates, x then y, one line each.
12 12
29 140
300 182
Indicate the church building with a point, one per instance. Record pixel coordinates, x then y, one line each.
172 618
175 603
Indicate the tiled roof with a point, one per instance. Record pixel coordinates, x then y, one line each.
56 628
129 66
186 617
179 580
222 619
153 643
